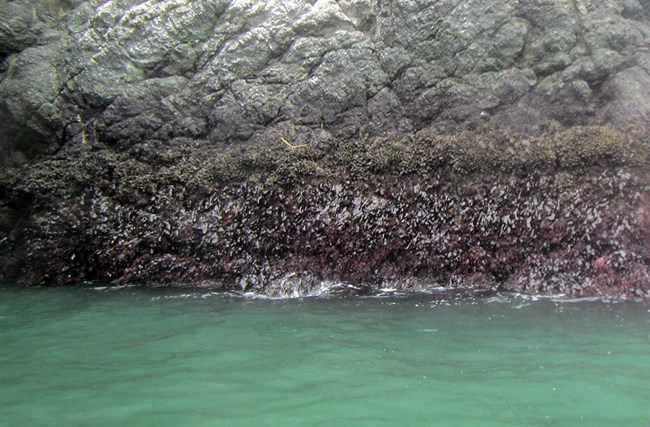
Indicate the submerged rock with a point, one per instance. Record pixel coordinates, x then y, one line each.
273 146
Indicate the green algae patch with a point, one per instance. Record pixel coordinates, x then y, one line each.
467 153
583 146
135 175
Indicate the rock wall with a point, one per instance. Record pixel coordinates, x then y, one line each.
219 72
273 145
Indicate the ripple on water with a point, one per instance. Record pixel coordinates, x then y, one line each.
74 356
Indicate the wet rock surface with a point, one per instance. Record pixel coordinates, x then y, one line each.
413 214
254 145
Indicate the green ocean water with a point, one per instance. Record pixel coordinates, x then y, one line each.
105 357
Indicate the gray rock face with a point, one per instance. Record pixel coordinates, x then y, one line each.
218 71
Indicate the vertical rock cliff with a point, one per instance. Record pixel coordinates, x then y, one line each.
241 142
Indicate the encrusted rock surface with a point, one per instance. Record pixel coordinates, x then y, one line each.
568 212
253 144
